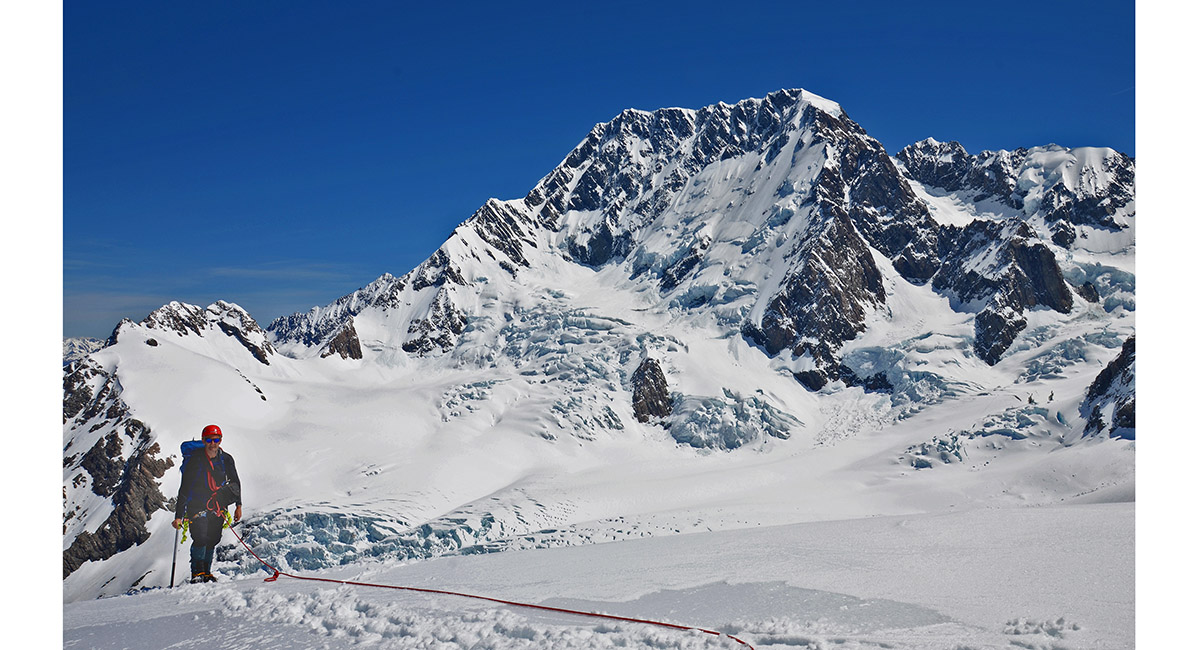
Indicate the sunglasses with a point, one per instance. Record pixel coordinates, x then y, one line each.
212 441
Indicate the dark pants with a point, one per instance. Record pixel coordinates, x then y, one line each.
206 533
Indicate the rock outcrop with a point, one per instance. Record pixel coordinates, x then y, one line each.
1007 270
823 303
344 344
651 397
121 465
1110 403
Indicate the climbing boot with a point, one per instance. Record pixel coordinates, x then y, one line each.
198 572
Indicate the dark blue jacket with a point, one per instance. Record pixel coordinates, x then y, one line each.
195 492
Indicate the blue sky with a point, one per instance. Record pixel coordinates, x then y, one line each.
282 154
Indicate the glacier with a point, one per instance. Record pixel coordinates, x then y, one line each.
845 336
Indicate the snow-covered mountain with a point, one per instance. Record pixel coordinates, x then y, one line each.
702 319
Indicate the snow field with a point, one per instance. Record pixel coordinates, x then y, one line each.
988 578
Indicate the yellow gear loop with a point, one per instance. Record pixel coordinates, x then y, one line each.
184 528
228 520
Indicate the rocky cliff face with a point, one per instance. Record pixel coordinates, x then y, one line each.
1007 265
1110 403
947 165
116 460
823 302
1006 269
344 344
790 200
1067 188
630 172
651 397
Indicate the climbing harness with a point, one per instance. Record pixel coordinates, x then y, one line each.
213 504
277 574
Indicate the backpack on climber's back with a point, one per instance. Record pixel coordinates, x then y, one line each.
186 450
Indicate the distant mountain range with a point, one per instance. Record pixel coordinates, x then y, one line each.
79 347
745 282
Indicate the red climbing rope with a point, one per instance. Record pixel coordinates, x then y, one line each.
512 603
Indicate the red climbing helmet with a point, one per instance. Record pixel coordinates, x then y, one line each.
210 431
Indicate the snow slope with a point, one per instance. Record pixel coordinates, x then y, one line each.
986 578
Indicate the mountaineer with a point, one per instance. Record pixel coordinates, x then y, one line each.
210 484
